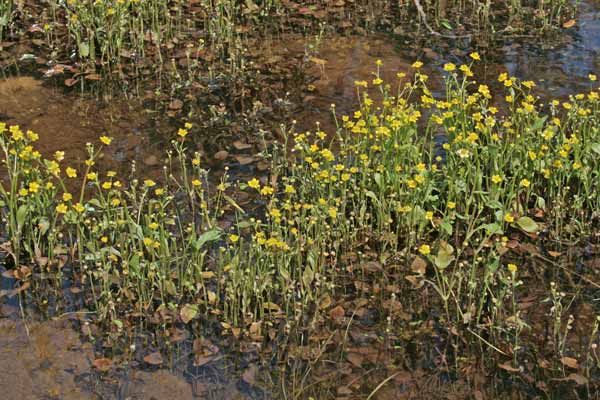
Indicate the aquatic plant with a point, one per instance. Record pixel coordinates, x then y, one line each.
411 191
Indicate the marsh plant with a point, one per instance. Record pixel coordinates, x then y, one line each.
437 191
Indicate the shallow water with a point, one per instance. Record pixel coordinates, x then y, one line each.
41 360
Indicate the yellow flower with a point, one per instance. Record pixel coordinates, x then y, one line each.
71 172
159 191
254 183
106 140
496 179
59 155
92 176
267 190
34 187
149 183
417 64
196 183
104 239
451 205
429 215
332 212
475 56
115 202
153 226
592 77
424 249
32 136
528 84
111 174
67 196
525 183
182 132
148 241
196 161
106 185
234 238
290 189
61 208
512 268
509 218
449 67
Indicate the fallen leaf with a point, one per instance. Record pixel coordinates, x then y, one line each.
239 145
337 313
569 362
221 155
507 366
244 160
176 104
355 359
102 364
249 375
569 24
154 358
188 312
418 266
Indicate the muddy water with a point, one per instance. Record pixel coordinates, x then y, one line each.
49 360
559 65
68 122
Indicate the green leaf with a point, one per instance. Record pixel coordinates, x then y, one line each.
84 49
377 178
208 236
444 256
596 147
22 215
527 224
493 229
494 204
447 227
307 276
43 225
244 224
233 203
539 123
134 262
446 24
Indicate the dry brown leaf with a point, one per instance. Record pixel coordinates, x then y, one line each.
102 364
221 155
355 359
569 362
337 312
154 358
507 366
418 266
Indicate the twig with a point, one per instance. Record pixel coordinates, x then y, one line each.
430 29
